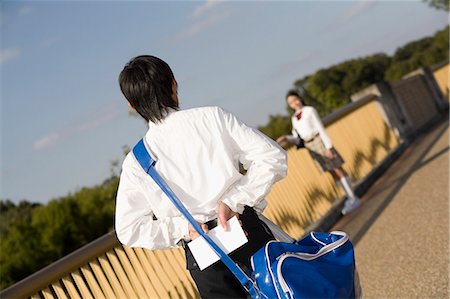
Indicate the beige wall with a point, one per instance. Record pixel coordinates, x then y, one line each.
441 76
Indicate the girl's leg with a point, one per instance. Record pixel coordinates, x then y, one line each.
343 180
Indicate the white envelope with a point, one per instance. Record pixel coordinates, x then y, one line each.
228 241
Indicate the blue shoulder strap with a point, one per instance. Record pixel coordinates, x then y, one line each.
147 163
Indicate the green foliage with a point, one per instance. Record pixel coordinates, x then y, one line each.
34 235
96 207
278 125
20 251
58 225
330 88
424 52
438 4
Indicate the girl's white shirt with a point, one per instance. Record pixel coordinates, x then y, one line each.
308 126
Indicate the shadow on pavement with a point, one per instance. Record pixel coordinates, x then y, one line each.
398 182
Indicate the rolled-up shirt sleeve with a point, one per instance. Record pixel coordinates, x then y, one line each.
264 160
134 222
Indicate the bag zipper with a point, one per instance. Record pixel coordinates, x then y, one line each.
307 256
281 279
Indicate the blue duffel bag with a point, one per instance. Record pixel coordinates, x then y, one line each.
321 265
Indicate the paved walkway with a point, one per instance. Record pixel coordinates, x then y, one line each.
401 231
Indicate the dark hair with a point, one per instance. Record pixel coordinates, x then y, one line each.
293 92
146 82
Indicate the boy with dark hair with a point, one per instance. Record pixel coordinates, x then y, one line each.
198 153
307 128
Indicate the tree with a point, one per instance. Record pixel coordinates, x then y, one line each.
97 207
34 235
424 52
59 226
20 250
331 87
438 4
278 125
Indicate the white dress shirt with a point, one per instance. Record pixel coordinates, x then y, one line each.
197 152
308 126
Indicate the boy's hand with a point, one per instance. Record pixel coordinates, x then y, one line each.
193 233
225 214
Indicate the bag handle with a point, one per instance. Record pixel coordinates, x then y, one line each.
147 163
326 247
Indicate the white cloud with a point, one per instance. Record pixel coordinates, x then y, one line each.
205 7
47 141
105 118
201 18
96 120
11 13
48 42
9 55
25 10
200 25
357 9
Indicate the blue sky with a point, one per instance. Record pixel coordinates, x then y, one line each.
63 118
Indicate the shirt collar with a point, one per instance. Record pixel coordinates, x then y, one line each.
294 115
170 111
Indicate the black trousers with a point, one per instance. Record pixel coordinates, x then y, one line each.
217 281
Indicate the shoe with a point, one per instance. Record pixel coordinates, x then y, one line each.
350 205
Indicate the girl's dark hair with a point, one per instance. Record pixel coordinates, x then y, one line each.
146 82
293 92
